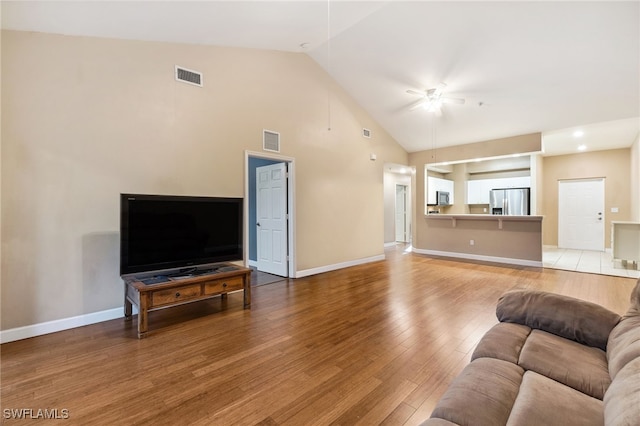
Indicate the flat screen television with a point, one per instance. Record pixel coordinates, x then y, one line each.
163 232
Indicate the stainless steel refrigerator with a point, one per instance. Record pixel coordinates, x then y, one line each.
509 201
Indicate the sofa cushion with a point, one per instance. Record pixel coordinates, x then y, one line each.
543 401
503 341
434 421
624 340
583 322
624 344
483 393
622 400
581 367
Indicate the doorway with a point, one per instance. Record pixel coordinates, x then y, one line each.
398 199
581 214
402 214
260 229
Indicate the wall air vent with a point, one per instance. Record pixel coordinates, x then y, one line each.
366 133
270 141
188 76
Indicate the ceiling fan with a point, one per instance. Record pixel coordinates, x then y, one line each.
433 99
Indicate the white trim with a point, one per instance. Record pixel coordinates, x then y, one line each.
341 265
252 263
508 260
391 244
34 330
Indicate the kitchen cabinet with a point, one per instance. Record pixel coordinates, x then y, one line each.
478 190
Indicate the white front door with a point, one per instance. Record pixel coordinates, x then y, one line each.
581 214
271 216
401 213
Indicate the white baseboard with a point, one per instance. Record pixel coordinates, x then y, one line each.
252 263
34 330
336 266
507 260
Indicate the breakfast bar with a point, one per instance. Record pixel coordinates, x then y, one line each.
494 238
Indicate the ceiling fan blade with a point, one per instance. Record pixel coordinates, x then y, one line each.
452 100
437 91
419 104
415 92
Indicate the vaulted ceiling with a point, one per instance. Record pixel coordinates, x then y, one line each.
522 67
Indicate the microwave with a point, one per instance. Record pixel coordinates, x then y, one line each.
442 198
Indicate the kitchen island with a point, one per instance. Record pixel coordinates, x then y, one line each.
493 238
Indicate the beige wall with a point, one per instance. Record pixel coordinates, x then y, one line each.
635 180
613 165
85 119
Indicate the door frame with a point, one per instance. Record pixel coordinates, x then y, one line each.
291 247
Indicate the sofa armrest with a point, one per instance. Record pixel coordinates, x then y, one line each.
574 319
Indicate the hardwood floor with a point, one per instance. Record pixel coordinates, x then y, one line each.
372 344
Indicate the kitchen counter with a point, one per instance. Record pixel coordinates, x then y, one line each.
500 219
494 238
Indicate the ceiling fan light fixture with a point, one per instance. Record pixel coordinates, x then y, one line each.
433 99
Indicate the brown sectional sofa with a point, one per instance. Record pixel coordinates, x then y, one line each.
551 360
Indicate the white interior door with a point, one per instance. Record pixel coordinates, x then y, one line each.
401 213
271 216
581 214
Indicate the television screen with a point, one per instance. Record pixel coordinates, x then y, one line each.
159 232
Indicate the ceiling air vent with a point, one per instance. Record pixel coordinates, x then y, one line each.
366 133
188 76
270 141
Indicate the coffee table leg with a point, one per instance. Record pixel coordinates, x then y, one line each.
142 316
247 291
128 310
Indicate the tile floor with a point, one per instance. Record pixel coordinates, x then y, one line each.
595 262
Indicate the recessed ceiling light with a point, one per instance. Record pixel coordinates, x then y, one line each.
578 134
582 147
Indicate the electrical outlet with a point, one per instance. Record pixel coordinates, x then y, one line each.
472 242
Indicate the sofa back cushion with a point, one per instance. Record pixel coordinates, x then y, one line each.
624 341
574 319
621 402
